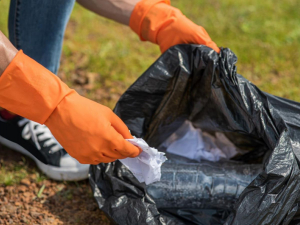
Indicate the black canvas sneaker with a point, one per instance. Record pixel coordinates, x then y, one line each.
37 142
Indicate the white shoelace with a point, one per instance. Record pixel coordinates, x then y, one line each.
38 132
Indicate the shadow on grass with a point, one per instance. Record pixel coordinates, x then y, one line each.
14 167
74 204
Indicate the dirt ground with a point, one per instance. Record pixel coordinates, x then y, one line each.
40 201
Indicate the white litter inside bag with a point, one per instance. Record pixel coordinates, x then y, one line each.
147 166
187 142
194 144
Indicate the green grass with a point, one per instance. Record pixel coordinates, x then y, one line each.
40 192
265 35
11 173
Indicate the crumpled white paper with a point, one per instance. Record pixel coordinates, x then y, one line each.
147 166
194 144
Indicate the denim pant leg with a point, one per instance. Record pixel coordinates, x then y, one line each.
37 27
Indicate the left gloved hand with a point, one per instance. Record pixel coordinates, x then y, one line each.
88 131
160 23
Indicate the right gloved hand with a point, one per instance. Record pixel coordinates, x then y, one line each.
88 131
157 21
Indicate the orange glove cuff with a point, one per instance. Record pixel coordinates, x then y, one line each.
139 13
33 97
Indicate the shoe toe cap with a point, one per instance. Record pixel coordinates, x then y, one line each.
70 162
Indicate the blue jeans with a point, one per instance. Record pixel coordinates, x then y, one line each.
37 27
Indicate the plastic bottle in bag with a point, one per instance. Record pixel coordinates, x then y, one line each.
195 185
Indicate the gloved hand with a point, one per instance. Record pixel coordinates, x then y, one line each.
88 131
158 22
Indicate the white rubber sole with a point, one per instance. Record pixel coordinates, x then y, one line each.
53 172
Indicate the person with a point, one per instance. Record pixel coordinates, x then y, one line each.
45 119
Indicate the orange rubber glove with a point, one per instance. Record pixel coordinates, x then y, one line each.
88 131
158 22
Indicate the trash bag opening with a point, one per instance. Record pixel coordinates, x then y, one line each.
191 82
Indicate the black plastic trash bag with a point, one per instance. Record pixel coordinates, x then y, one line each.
191 82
